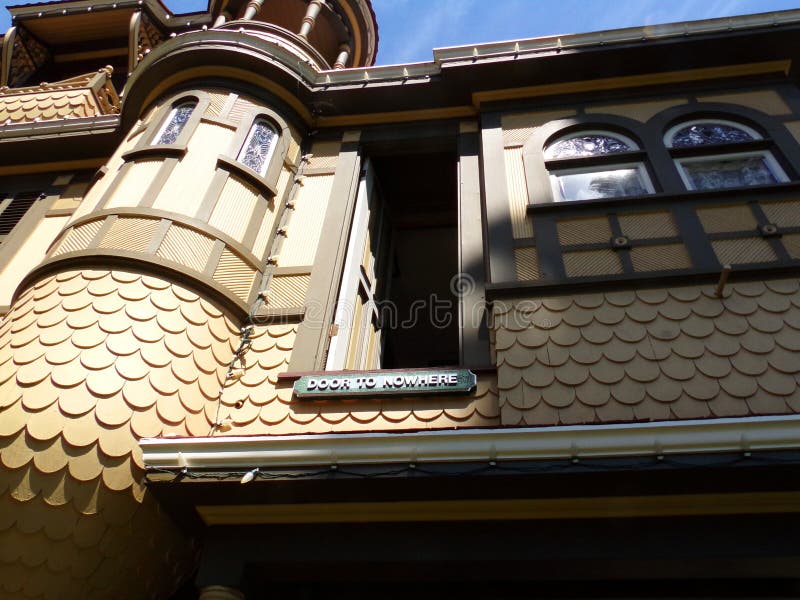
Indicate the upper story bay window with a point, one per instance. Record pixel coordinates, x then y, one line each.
596 164
714 154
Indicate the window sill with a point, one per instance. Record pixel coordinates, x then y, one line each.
156 151
663 198
246 173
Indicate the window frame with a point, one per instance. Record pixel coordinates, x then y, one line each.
266 181
574 165
154 126
774 166
166 120
537 169
758 146
271 152
638 166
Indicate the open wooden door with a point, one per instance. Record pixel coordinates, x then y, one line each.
356 335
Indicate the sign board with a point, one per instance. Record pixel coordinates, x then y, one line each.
385 383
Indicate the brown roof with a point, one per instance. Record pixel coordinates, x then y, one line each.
86 95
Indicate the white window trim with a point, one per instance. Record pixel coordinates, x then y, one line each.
250 134
556 173
670 134
633 146
772 164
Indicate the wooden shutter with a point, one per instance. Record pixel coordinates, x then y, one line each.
357 341
12 209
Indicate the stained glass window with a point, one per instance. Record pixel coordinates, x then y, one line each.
701 134
175 123
607 179
738 170
258 147
588 144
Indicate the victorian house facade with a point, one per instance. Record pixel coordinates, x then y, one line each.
523 321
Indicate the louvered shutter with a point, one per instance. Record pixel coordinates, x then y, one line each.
12 209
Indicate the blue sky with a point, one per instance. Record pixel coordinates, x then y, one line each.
410 29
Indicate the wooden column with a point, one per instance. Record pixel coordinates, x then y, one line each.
252 9
310 19
223 18
344 56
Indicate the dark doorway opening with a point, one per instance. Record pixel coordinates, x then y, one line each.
420 326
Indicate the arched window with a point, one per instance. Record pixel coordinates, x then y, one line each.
175 122
259 146
596 164
715 154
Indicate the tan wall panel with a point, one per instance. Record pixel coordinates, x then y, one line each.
186 247
99 188
792 244
235 274
527 264
131 234
521 223
187 185
131 189
593 230
262 238
743 251
305 224
218 100
30 253
785 213
721 219
325 155
234 208
240 108
294 149
592 262
767 101
79 238
288 291
643 226
641 111
71 197
517 128
664 257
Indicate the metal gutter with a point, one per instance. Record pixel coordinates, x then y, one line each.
566 442
557 43
476 53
